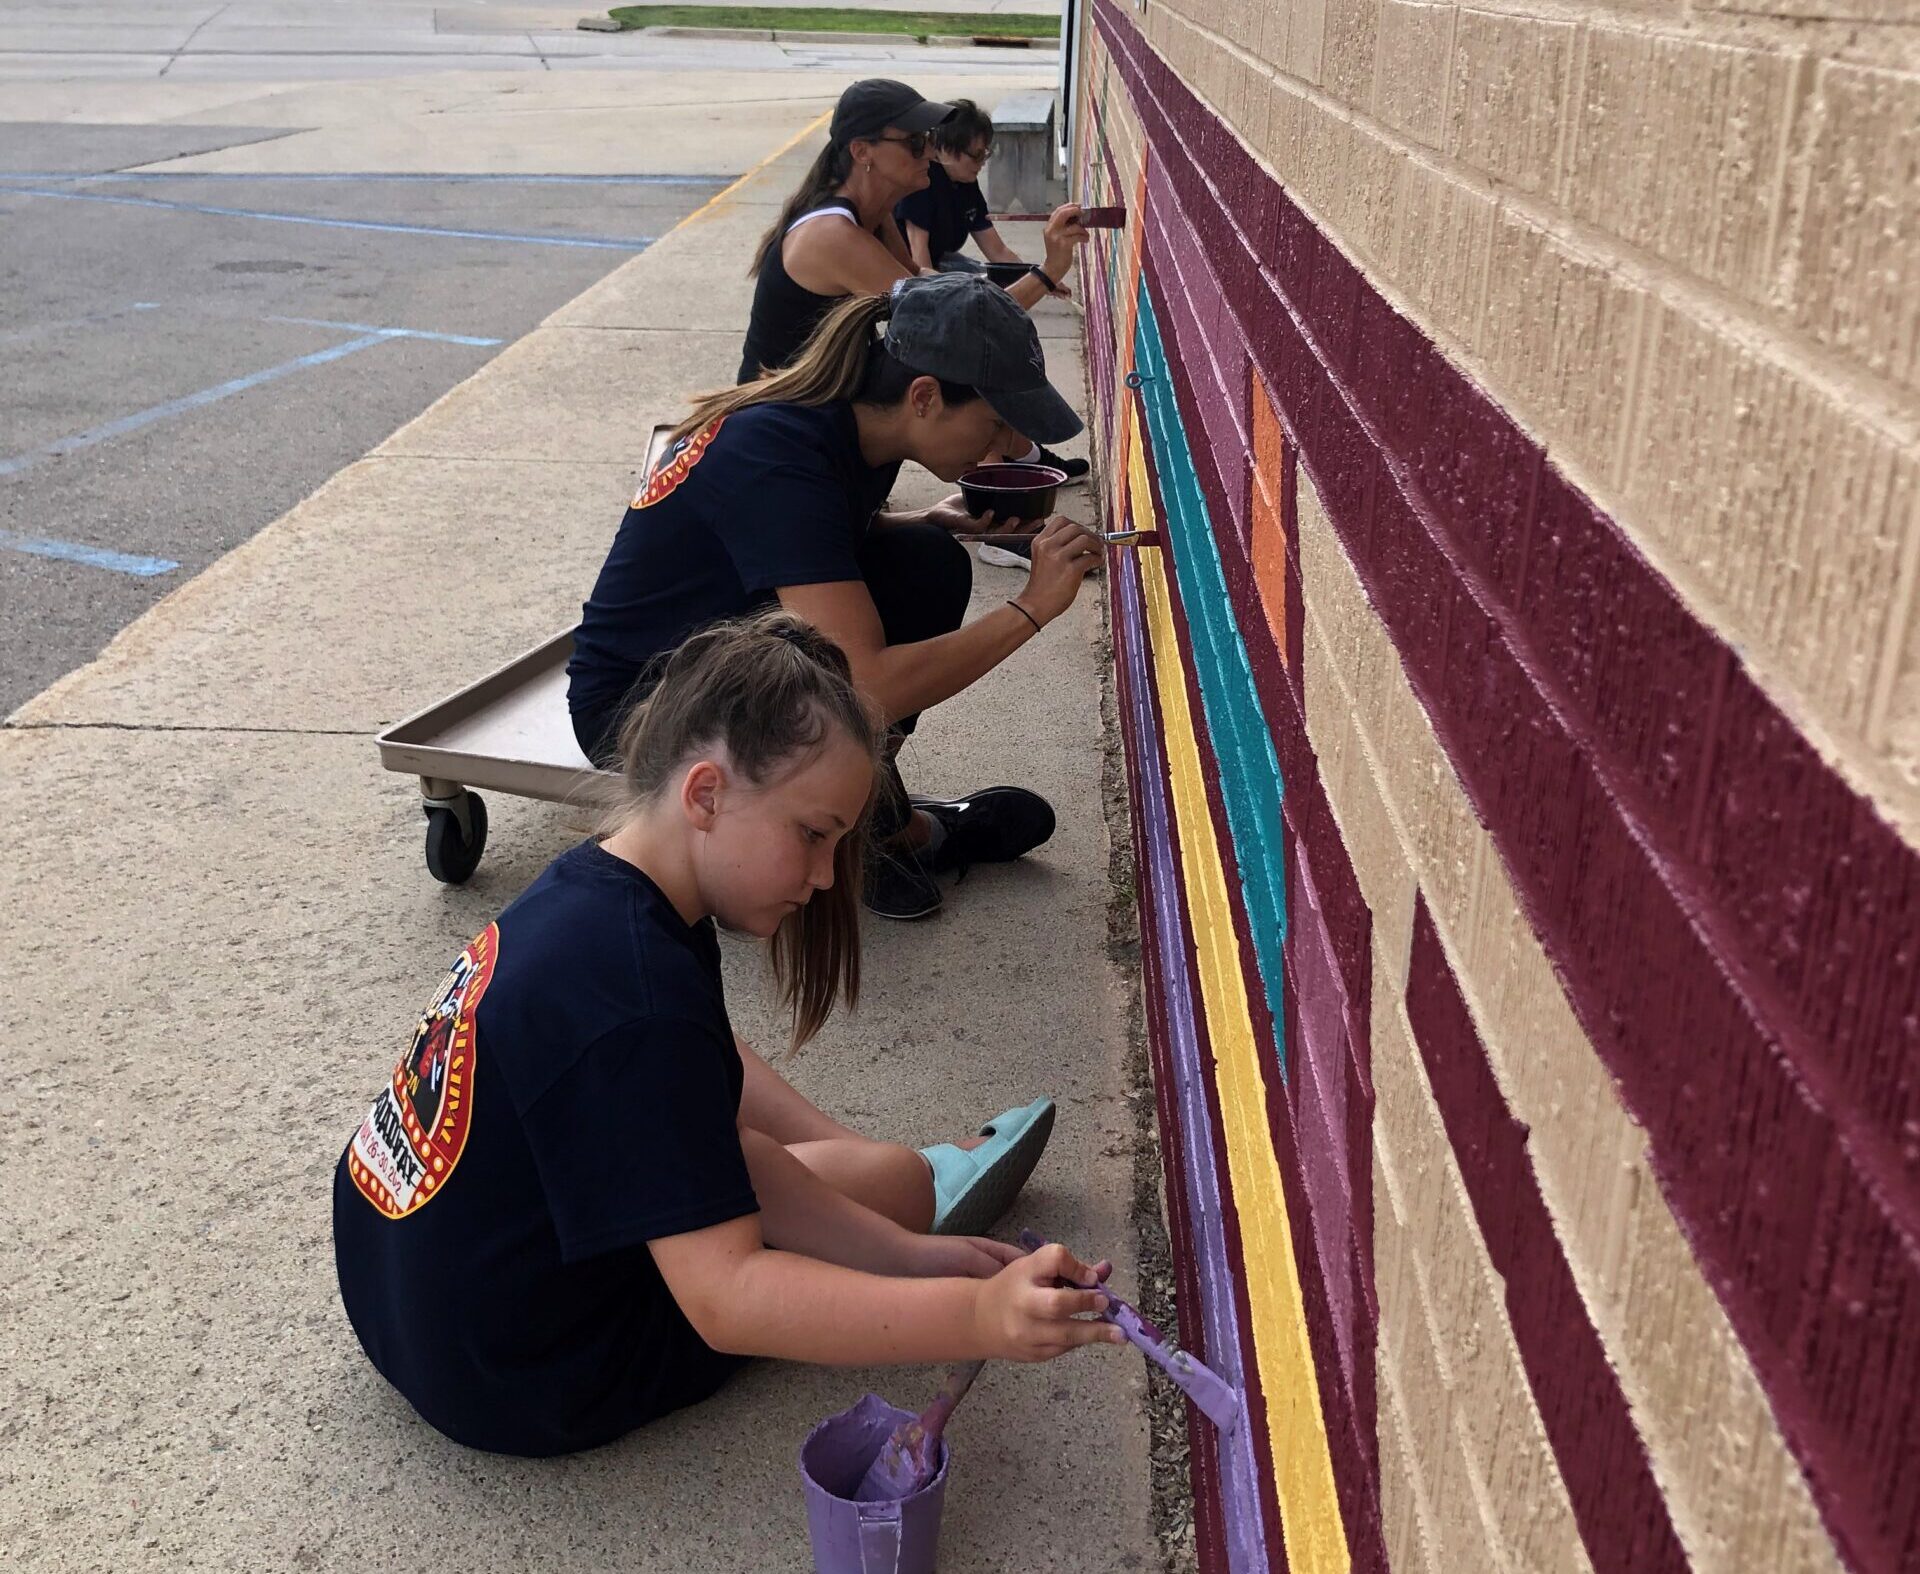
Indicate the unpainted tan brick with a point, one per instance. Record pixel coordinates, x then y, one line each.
1778 506
1896 725
1259 100
1404 1517
1897 12
1286 106
1347 52
1508 96
1849 274
1306 32
1276 22
1558 338
1412 69
1444 230
1461 1311
1678 146
1351 778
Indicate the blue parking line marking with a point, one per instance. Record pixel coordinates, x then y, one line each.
632 243
193 401
93 557
377 179
389 333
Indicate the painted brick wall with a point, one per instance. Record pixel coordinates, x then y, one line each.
1521 692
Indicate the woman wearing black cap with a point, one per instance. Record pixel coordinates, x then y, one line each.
837 237
773 493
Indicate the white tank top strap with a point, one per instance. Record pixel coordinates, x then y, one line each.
821 213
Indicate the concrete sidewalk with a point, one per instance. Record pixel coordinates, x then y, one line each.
219 927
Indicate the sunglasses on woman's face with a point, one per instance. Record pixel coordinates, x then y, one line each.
915 142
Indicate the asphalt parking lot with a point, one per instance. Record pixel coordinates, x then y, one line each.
185 356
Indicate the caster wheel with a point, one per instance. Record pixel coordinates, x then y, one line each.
452 856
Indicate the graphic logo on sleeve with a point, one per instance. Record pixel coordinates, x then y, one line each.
406 1148
675 468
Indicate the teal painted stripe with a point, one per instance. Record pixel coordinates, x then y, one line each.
1250 786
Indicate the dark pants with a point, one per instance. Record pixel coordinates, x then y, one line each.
920 579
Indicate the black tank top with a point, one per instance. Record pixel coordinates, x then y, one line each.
784 314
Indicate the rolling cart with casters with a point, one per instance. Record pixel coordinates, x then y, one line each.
509 732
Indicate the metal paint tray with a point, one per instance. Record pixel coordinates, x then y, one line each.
509 732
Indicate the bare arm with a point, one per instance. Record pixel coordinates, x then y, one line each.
838 257
993 247
743 1295
920 243
905 679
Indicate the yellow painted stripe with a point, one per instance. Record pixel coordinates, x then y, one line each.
1303 1465
1139 483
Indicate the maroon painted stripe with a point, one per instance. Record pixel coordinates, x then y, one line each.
1751 908
1616 1502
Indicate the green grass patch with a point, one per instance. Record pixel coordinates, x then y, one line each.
835 19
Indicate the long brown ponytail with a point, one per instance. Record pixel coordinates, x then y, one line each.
822 179
768 690
845 359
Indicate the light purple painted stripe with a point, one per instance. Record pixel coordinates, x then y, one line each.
1239 1478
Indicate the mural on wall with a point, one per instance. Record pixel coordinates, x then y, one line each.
1534 1013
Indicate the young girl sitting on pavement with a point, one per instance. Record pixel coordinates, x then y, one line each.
580 1202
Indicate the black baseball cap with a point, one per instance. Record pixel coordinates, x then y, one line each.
964 329
869 107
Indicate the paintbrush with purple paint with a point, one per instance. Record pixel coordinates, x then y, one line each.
1206 1388
908 1459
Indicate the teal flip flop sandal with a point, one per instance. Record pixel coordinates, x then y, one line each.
973 1187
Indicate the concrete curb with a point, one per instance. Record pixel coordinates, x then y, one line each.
765 35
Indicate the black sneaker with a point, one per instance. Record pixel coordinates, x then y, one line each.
1075 469
992 826
898 887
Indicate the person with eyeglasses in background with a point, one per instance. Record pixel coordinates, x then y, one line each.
940 218
836 235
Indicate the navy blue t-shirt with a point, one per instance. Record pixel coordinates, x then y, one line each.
948 210
570 1093
772 495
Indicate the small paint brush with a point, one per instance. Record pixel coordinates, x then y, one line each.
908 1459
1091 218
1111 537
1206 1388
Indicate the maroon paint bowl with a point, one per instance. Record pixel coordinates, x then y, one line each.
1012 491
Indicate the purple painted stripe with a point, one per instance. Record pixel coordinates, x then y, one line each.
1788 967
1159 874
1616 1503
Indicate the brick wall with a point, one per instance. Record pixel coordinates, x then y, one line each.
1522 699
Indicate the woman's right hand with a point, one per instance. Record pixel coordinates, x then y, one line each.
1023 1315
1064 553
1062 238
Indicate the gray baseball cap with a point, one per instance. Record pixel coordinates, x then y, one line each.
963 329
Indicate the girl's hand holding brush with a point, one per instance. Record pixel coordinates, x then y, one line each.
1022 1314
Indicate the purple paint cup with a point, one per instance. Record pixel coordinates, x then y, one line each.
901 1536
